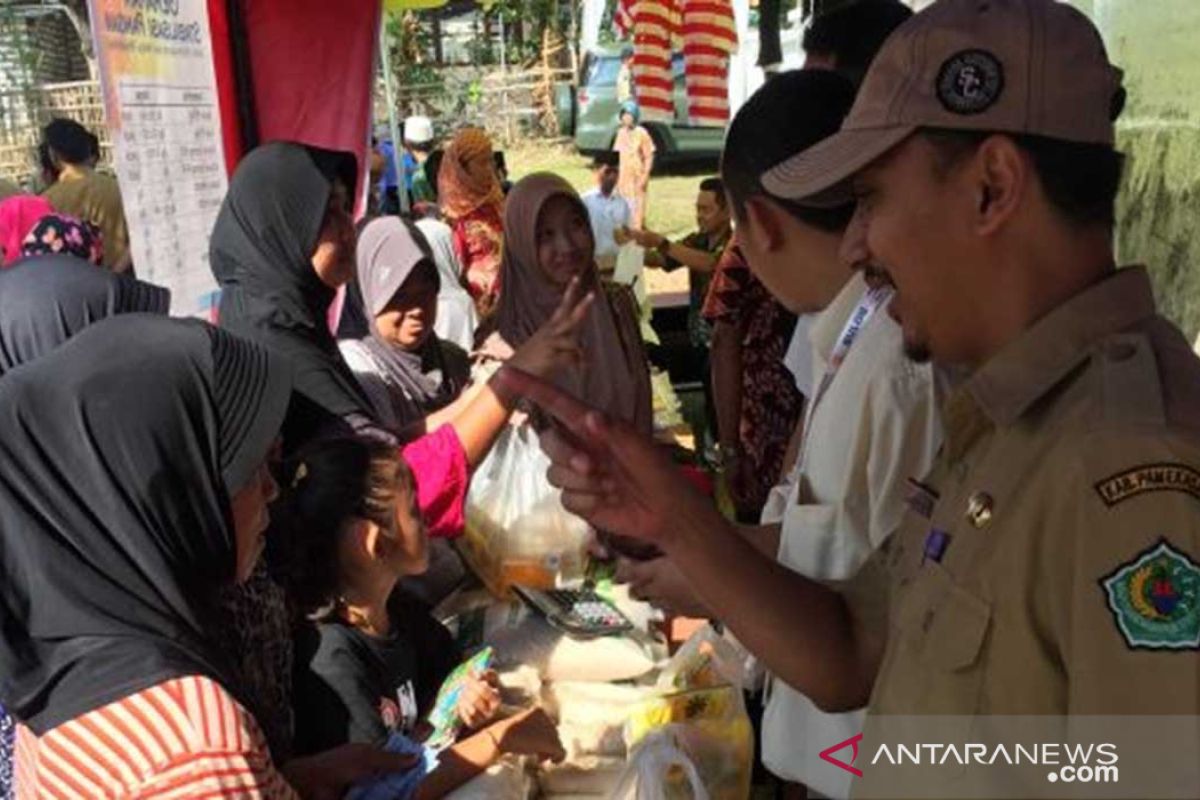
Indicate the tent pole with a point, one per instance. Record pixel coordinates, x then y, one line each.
389 91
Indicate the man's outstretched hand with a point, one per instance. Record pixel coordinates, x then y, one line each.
610 474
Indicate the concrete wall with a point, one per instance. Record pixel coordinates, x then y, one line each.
1156 43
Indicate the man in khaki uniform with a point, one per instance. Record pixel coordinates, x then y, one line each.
1048 564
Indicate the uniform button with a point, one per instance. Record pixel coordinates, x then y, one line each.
1120 351
979 509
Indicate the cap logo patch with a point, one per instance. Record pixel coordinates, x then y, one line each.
970 82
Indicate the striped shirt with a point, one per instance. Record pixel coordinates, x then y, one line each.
183 738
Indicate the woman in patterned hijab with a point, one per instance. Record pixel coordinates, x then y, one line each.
60 234
473 202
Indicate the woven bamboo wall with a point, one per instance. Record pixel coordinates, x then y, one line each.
23 113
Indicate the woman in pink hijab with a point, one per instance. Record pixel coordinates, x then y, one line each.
18 215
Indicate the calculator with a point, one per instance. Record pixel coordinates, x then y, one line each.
578 612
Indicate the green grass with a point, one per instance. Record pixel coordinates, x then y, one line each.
672 192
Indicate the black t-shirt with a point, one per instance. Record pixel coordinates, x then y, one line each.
353 687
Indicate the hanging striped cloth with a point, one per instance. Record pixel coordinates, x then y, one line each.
709 36
655 25
623 18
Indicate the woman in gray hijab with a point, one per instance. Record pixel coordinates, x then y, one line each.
418 382
406 370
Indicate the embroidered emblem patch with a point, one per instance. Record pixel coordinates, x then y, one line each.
970 82
1155 599
1149 478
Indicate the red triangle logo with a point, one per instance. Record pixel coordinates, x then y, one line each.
852 742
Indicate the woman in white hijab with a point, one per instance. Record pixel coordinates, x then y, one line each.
456 315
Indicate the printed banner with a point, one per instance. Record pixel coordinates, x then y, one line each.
161 104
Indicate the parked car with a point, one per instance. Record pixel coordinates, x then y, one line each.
594 108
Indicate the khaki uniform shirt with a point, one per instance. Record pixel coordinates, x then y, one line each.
1049 566
95 198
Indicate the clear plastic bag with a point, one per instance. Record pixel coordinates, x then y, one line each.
660 769
517 530
705 661
711 726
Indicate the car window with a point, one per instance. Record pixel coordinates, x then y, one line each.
603 71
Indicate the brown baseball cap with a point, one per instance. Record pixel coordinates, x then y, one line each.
1011 66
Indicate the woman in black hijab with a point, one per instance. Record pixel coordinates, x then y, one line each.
132 482
45 300
282 245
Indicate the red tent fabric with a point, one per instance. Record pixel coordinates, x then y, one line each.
312 66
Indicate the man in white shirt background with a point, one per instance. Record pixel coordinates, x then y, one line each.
608 212
872 421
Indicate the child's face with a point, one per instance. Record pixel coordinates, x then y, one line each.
408 545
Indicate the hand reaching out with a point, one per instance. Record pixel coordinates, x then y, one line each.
647 239
529 733
555 345
660 583
328 775
480 699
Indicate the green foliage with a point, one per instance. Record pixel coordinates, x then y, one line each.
411 43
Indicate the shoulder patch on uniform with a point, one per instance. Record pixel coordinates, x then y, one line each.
1149 478
1155 599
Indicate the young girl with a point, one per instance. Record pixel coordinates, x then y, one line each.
372 662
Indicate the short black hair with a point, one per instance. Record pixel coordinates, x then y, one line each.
605 158
72 142
716 186
1081 181
853 33
790 113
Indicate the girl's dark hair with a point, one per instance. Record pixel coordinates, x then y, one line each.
326 485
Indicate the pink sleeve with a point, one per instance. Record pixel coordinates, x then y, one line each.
439 465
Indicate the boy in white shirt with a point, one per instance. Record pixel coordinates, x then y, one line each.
872 418
608 212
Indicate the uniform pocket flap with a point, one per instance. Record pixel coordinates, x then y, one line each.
956 629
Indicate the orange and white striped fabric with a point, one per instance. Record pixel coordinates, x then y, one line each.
183 738
655 27
709 36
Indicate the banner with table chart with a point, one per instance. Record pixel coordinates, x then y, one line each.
161 105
